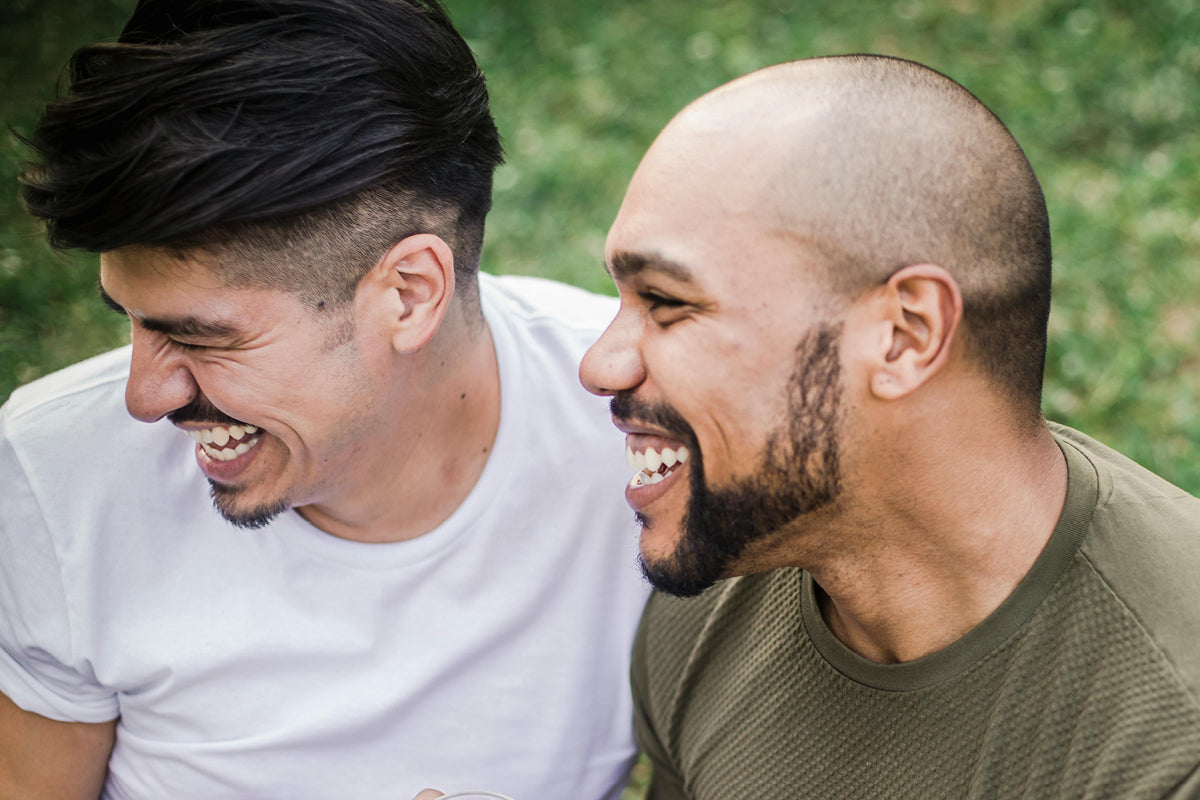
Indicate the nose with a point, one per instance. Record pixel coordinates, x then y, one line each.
614 363
159 378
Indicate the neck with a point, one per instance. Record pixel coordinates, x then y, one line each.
413 475
935 551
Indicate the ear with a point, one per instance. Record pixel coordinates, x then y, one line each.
920 309
410 289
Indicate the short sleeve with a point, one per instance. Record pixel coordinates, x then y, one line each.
39 669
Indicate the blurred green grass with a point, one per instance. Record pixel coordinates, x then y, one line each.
1103 96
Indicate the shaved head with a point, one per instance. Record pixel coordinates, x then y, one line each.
869 164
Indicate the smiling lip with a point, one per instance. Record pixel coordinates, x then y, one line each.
657 461
223 452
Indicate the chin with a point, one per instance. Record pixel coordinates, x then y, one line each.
657 540
668 575
679 567
234 507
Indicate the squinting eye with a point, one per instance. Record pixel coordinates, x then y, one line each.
664 311
659 301
187 347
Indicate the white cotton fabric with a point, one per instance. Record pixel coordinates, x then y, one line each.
284 663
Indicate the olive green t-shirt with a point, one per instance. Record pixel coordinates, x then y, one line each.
1084 683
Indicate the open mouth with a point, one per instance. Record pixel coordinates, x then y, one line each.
226 442
652 466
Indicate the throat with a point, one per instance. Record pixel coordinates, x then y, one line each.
414 484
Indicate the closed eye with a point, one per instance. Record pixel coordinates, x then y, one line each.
655 300
188 347
664 310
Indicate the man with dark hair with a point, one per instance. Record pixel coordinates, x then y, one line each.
415 573
835 284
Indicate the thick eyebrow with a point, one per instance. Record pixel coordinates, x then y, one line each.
106 298
624 265
184 327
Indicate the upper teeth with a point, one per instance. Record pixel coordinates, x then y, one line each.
213 440
222 434
650 459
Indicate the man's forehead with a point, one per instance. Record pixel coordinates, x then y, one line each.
139 262
173 294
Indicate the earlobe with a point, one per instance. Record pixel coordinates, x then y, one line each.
417 278
921 307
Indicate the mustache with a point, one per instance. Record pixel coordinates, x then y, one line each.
629 409
201 410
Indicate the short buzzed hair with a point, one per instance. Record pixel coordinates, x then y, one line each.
290 141
912 168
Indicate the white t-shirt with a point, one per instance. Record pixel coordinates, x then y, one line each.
284 663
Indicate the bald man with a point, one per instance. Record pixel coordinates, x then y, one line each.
835 281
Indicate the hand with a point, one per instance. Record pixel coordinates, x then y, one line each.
428 794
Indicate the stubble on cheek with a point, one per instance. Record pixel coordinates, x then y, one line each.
798 475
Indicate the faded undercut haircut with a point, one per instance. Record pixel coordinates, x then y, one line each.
909 167
287 143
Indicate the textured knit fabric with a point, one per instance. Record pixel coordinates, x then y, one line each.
288 664
1084 683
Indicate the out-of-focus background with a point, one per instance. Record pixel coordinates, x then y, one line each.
1104 96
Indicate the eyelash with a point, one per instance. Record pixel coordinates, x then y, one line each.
663 311
187 347
659 301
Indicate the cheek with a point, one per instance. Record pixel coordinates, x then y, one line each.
224 381
344 397
273 395
731 393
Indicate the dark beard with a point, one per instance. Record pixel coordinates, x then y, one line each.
797 475
223 498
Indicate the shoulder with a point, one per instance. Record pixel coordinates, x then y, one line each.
1147 515
49 414
1143 541
97 377
541 330
700 662
547 303
1122 481
69 441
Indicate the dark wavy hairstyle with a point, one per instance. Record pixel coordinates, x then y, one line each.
289 141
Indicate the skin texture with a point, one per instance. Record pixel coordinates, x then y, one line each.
43 759
947 492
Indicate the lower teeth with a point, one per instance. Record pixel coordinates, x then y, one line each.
229 453
644 478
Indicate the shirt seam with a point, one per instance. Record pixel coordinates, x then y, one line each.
1146 634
